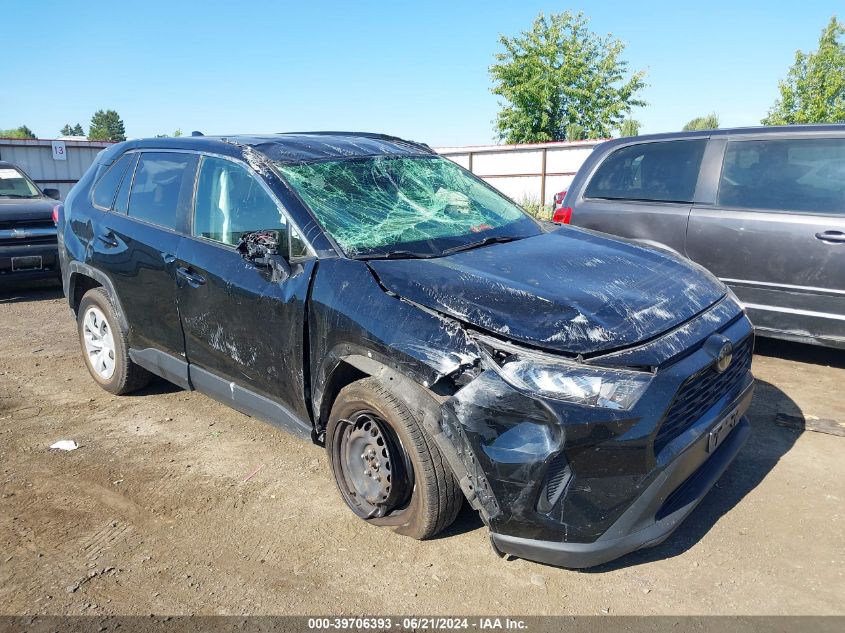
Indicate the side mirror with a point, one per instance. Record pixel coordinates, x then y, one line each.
279 267
52 193
261 248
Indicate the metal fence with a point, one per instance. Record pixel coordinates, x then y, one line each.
48 167
531 172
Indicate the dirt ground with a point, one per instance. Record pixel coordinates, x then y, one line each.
153 513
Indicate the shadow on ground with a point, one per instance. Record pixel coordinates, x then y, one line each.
39 291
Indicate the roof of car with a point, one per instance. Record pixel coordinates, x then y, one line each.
740 131
291 147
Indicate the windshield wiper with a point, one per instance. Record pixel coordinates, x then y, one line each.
493 239
17 195
396 255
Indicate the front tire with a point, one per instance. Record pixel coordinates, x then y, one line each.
104 345
386 467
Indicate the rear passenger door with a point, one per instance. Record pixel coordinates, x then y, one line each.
136 242
776 233
244 332
644 191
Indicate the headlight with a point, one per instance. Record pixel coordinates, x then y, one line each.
567 380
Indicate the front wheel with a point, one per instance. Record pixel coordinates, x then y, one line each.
386 467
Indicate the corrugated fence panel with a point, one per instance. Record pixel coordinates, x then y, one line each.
528 172
35 157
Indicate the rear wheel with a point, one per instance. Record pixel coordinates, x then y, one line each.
104 345
388 470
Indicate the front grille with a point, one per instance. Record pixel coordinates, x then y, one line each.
18 232
700 392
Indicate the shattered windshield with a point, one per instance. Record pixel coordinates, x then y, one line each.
409 206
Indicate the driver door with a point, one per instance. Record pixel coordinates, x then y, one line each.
243 331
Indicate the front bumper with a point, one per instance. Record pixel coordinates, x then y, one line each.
649 520
578 486
49 254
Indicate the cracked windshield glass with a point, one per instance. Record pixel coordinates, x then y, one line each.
405 207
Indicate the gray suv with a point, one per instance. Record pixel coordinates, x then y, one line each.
761 208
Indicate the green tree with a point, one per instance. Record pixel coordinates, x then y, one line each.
709 122
558 74
18 132
629 127
106 126
814 88
72 130
178 132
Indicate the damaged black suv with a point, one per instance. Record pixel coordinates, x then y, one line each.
582 393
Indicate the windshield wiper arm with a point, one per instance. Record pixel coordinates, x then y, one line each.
16 195
396 255
493 239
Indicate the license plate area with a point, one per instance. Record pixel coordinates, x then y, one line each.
719 432
27 262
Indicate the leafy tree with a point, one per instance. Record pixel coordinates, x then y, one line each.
18 132
178 132
575 132
709 122
629 127
814 88
558 74
106 126
72 130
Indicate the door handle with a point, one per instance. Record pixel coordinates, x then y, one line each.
190 276
836 237
108 239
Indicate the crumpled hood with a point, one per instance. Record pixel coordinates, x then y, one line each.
33 209
569 291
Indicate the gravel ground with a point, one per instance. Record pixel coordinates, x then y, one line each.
153 513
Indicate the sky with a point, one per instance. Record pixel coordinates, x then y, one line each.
418 70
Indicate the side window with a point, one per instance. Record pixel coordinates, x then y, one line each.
664 171
121 202
803 175
231 202
108 183
298 247
162 187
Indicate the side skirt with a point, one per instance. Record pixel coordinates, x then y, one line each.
248 402
190 377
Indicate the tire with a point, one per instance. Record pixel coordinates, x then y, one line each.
112 369
422 496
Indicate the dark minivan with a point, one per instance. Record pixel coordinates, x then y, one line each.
761 208
582 393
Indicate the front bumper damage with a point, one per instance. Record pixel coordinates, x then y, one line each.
578 486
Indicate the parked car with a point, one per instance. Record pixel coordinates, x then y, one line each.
360 291
28 248
761 208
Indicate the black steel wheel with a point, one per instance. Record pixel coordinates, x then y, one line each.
374 479
386 467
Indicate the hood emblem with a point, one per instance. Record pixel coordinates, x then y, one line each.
721 350
725 356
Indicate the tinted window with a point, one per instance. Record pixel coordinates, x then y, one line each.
231 202
162 186
787 175
107 186
665 171
298 248
121 202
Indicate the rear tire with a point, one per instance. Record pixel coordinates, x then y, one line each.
386 467
104 345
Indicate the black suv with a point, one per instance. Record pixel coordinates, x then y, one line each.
582 393
28 248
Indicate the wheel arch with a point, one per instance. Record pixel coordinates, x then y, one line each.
82 278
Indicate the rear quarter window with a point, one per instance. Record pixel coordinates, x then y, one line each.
799 175
664 171
106 187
